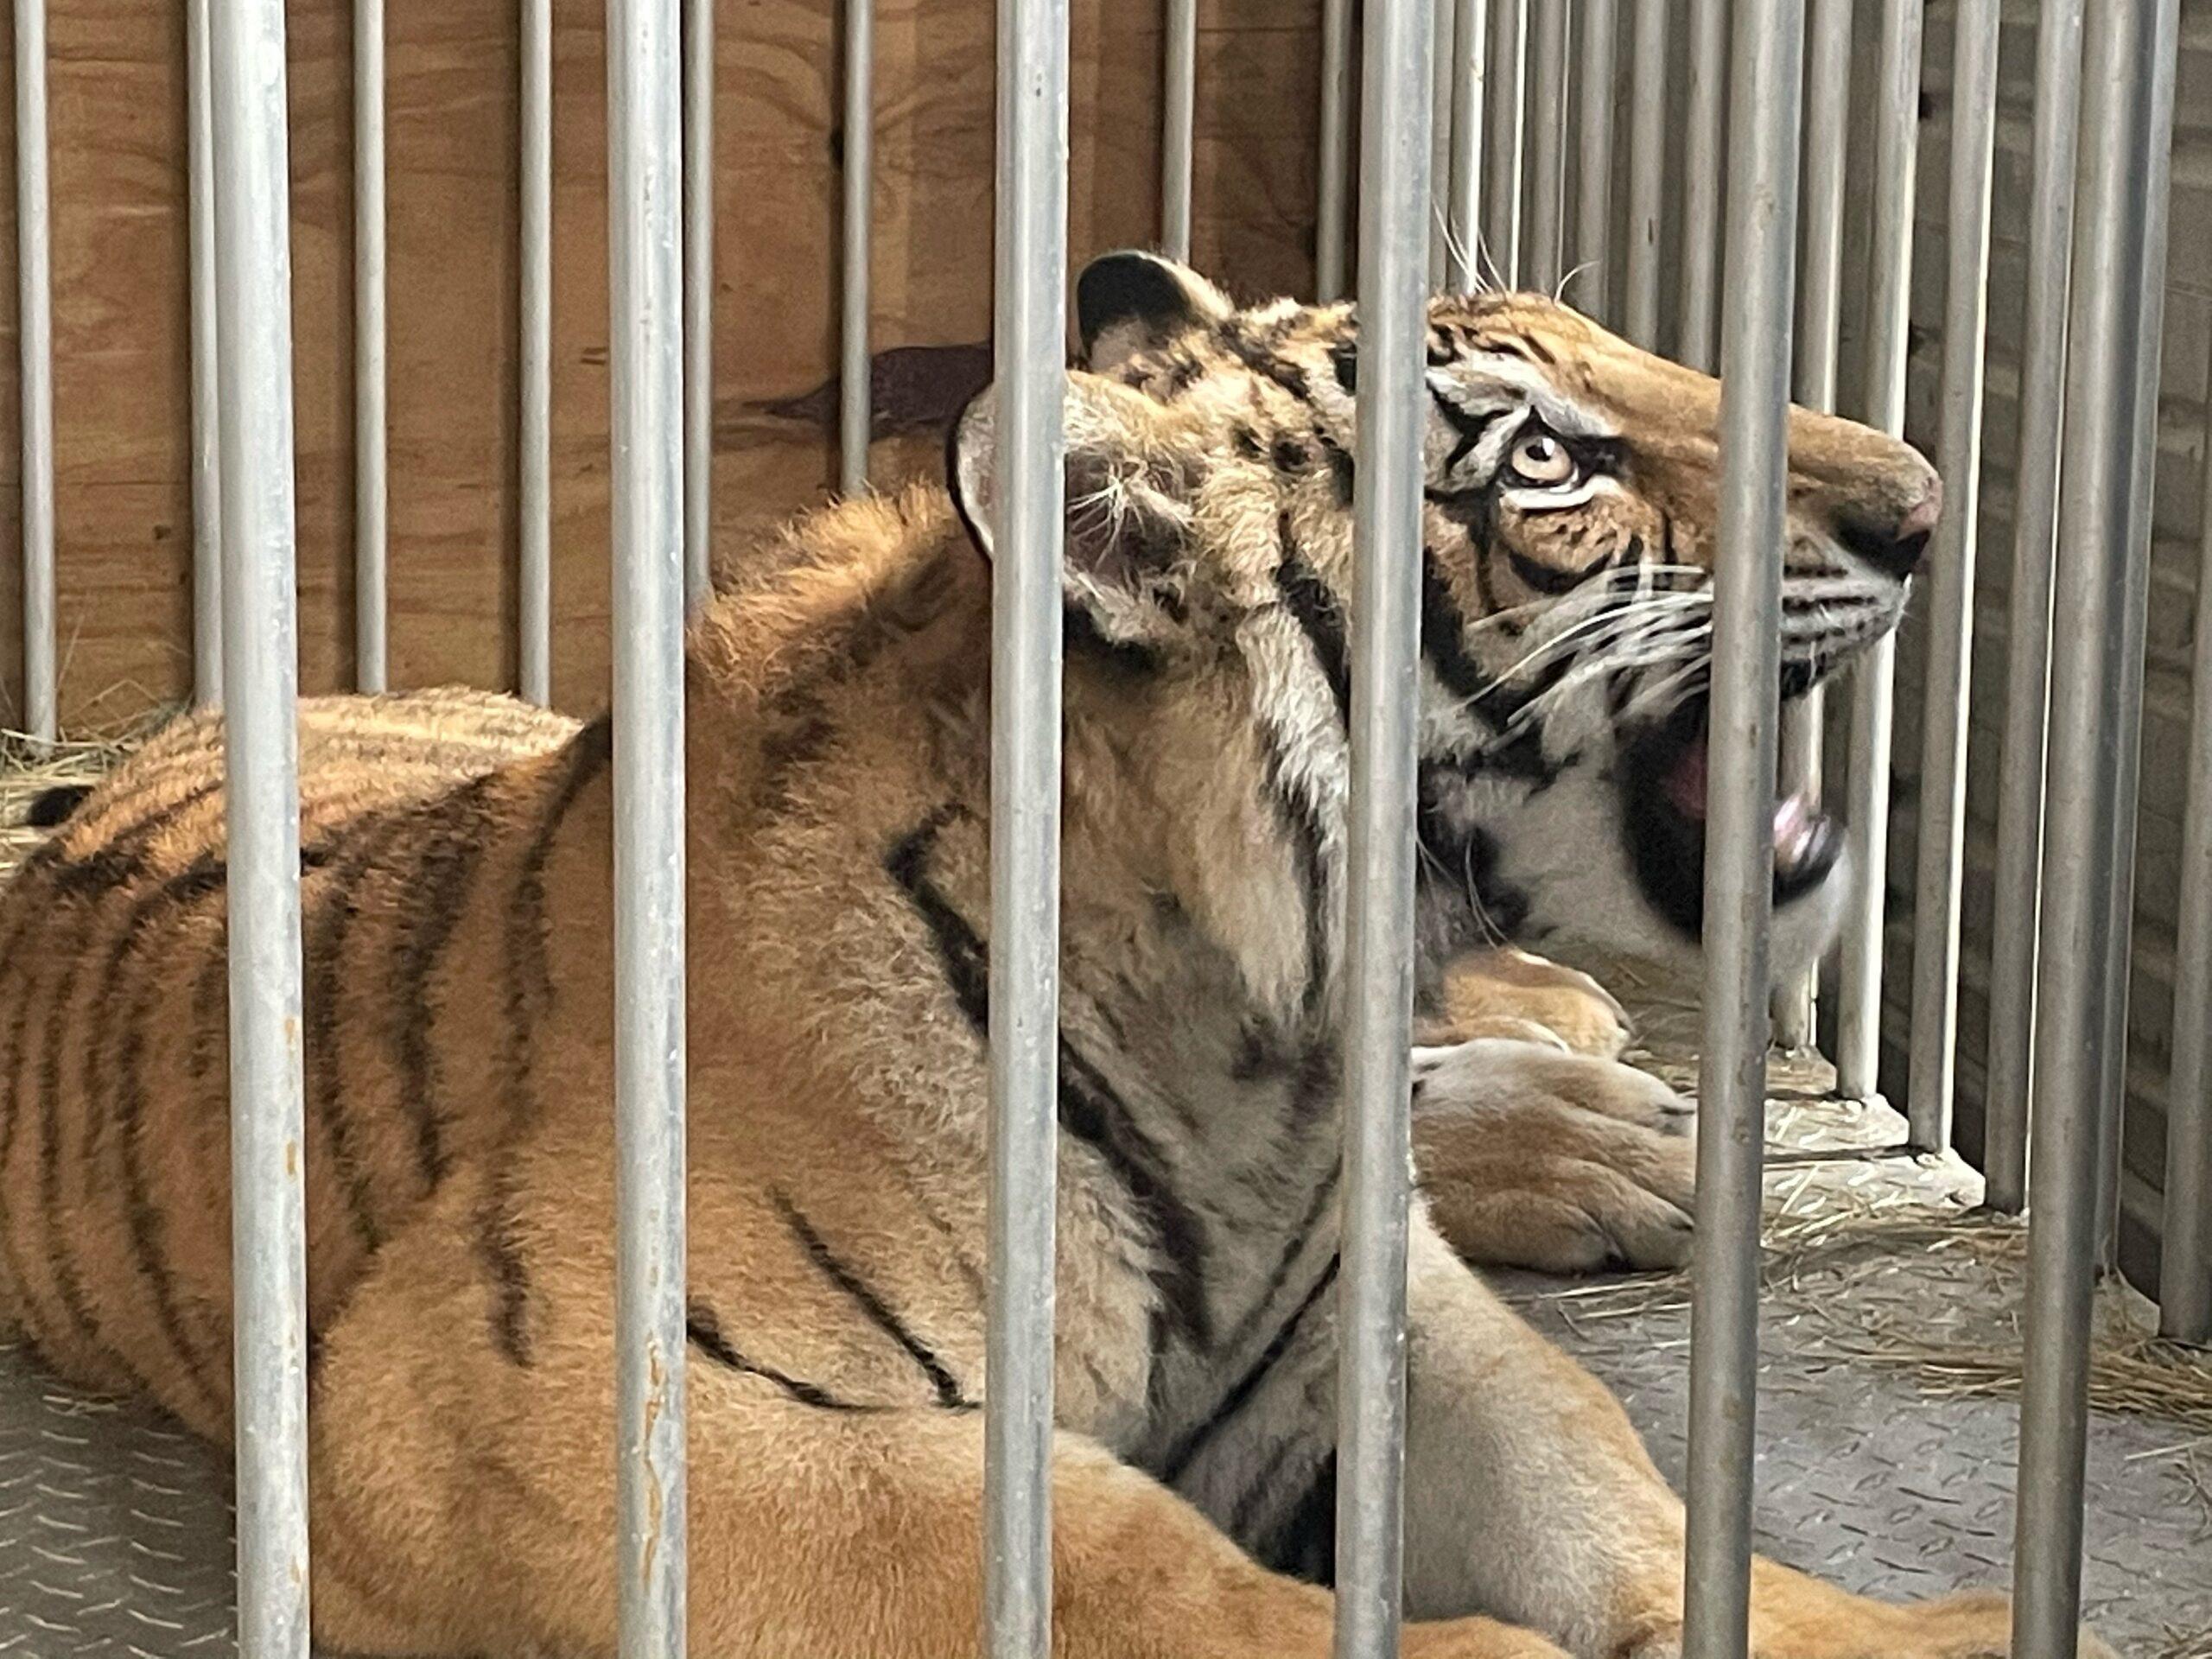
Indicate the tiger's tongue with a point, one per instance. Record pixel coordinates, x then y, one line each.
1796 821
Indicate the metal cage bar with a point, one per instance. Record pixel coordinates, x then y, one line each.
1591 268
2089 586
1700 255
1331 207
1546 120
534 575
2185 1262
207 482
698 279
1941 848
1464 200
1826 151
1030 306
1379 912
1505 88
1763 98
35 314
1896 130
372 482
855 391
1178 113
2027 630
1647 170
1444 22
253 301
2153 175
646 183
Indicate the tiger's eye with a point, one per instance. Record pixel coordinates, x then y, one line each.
1541 459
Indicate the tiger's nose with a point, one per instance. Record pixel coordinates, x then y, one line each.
1890 541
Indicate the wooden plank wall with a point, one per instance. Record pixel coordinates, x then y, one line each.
122 345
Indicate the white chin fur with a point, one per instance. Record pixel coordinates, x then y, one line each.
1563 848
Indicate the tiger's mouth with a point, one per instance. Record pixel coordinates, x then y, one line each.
1662 814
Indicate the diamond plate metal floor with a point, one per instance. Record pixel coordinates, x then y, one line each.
1885 1464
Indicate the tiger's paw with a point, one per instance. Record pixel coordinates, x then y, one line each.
1532 1158
1505 992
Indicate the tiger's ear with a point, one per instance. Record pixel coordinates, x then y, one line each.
1130 496
1130 302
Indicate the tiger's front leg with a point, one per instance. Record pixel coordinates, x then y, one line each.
1530 1497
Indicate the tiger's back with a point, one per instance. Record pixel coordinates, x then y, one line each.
114 1144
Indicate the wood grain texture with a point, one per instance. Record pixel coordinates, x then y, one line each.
122 363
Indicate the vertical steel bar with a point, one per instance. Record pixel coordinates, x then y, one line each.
1331 208
2089 588
1379 946
1505 115
1470 54
1546 124
2027 671
1647 169
1598 33
1179 99
698 392
1942 840
1700 259
1443 20
2156 111
371 486
1819 287
856 411
2185 1254
1896 134
1030 324
1763 98
647 184
35 328
206 483
534 611
253 301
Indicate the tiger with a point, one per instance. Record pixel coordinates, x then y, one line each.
459 1038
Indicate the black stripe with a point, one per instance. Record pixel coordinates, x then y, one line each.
1244 1514
960 953
864 1298
705 1332
1088 1108
529 977
1178 1460
1443 646
1304 1545
143 1217
1302 824
501 1254
529 974
1545 580
60 1264
1309 601
10 1068
1092 1111
327 933
1325 1192
445 866
1444 639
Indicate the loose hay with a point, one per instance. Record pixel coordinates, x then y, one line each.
26 774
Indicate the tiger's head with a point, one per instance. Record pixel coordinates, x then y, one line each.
1571 485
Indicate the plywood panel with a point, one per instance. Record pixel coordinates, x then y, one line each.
122 370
